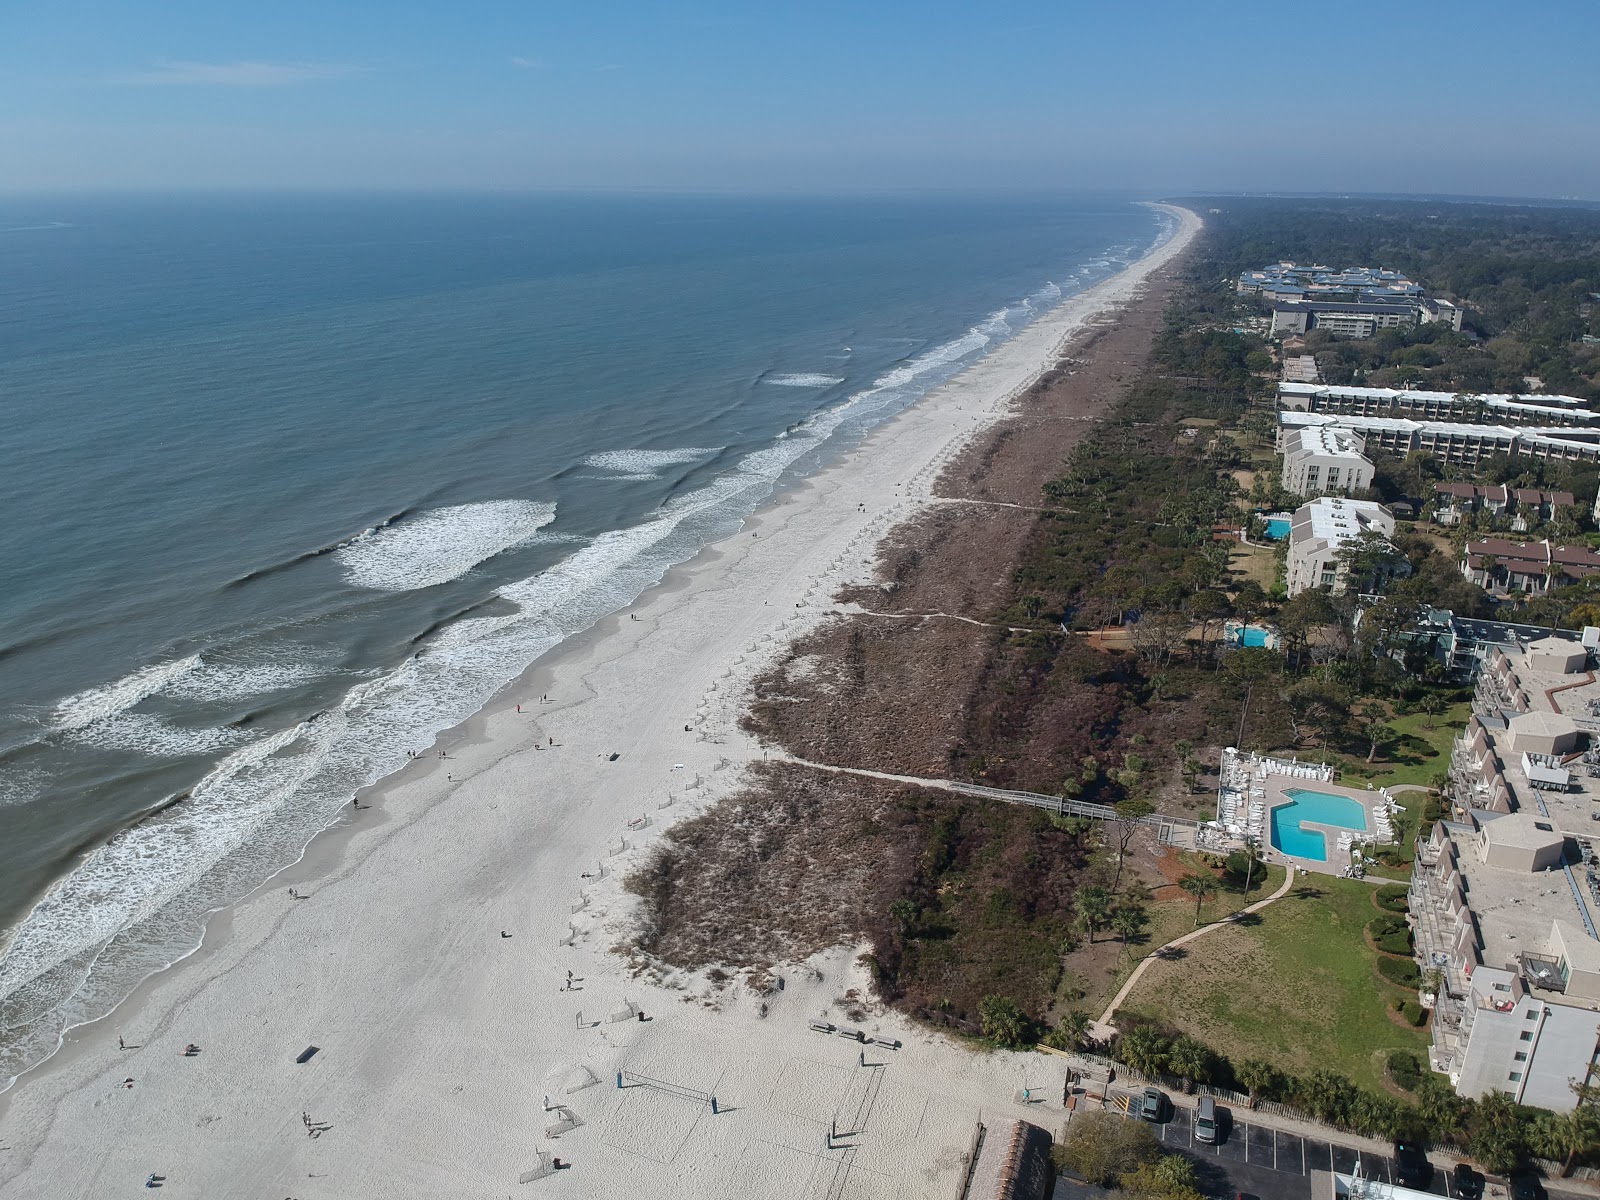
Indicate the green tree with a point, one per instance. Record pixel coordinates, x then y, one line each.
1129 921
1004 1024
1431 706
1327 1095
1192 1061
1171 1177
1073 1030
1442 1111
1565 1137
906 914
1202 888
1257 1078
1129 813
1102 1147
1371 726
1094 907
1497 1132
1145 1050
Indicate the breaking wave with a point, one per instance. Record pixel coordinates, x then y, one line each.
442 544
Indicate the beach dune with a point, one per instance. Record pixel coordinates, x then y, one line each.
453 960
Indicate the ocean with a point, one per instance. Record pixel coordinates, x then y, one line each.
291 484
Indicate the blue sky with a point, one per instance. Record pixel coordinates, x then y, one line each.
1155 97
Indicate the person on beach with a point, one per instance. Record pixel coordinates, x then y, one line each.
121 1045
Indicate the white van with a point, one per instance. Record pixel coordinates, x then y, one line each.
1205 1121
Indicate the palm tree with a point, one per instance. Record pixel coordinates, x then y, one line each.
905 912
1566 1136
1144 1050
1441 1109
1129 920
1431 706
1202 888
1190 1061
1074 1028
1094 906
1256 1077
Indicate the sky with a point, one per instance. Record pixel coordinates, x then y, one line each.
1151 97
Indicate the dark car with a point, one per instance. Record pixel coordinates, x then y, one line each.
1465 1182
1525 1185
1153 1104
1411 1166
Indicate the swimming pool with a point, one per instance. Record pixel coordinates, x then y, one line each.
1277 528
1321 808
1253 635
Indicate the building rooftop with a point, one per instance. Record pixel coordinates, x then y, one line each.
1515 909
1554 436
1328 440
1494 401
1335 519
1375 306
1523 830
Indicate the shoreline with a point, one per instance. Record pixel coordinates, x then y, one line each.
483 858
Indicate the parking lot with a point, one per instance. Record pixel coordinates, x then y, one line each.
1252 1158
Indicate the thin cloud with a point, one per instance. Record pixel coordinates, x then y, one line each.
175 73
526 64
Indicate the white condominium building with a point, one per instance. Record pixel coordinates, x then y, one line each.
1322 530
1324 460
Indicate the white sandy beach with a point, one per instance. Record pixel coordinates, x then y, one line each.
441 1041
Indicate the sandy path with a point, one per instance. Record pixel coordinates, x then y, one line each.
440 1039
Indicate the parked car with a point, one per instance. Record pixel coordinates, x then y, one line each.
1525 1185
1153 1107
1465 1182
1411 1166
1207 1122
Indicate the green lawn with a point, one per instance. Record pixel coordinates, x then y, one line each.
1415 754
1298 989
1171 914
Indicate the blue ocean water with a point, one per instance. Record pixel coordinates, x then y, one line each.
293 483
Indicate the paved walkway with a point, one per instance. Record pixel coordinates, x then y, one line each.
1184 939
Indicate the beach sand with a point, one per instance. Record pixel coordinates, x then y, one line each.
451 1056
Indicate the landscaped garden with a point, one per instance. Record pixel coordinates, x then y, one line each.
1298 985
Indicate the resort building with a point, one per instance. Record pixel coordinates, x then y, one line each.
1358 320
1527 507
1531 506
1498 408
1505 895
1498 565
1289 280
1453 442
1322 533
1323 461
1453 501
1354 302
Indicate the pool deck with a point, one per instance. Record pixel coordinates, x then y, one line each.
1277 788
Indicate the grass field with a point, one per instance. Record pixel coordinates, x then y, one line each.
1414 753
1298 988
1102 970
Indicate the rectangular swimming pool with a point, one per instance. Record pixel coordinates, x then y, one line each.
1321 808
1278 528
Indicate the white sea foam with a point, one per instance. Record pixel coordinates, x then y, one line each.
642 464
940 356
97 703
144 733
240 681
804 379
440 545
